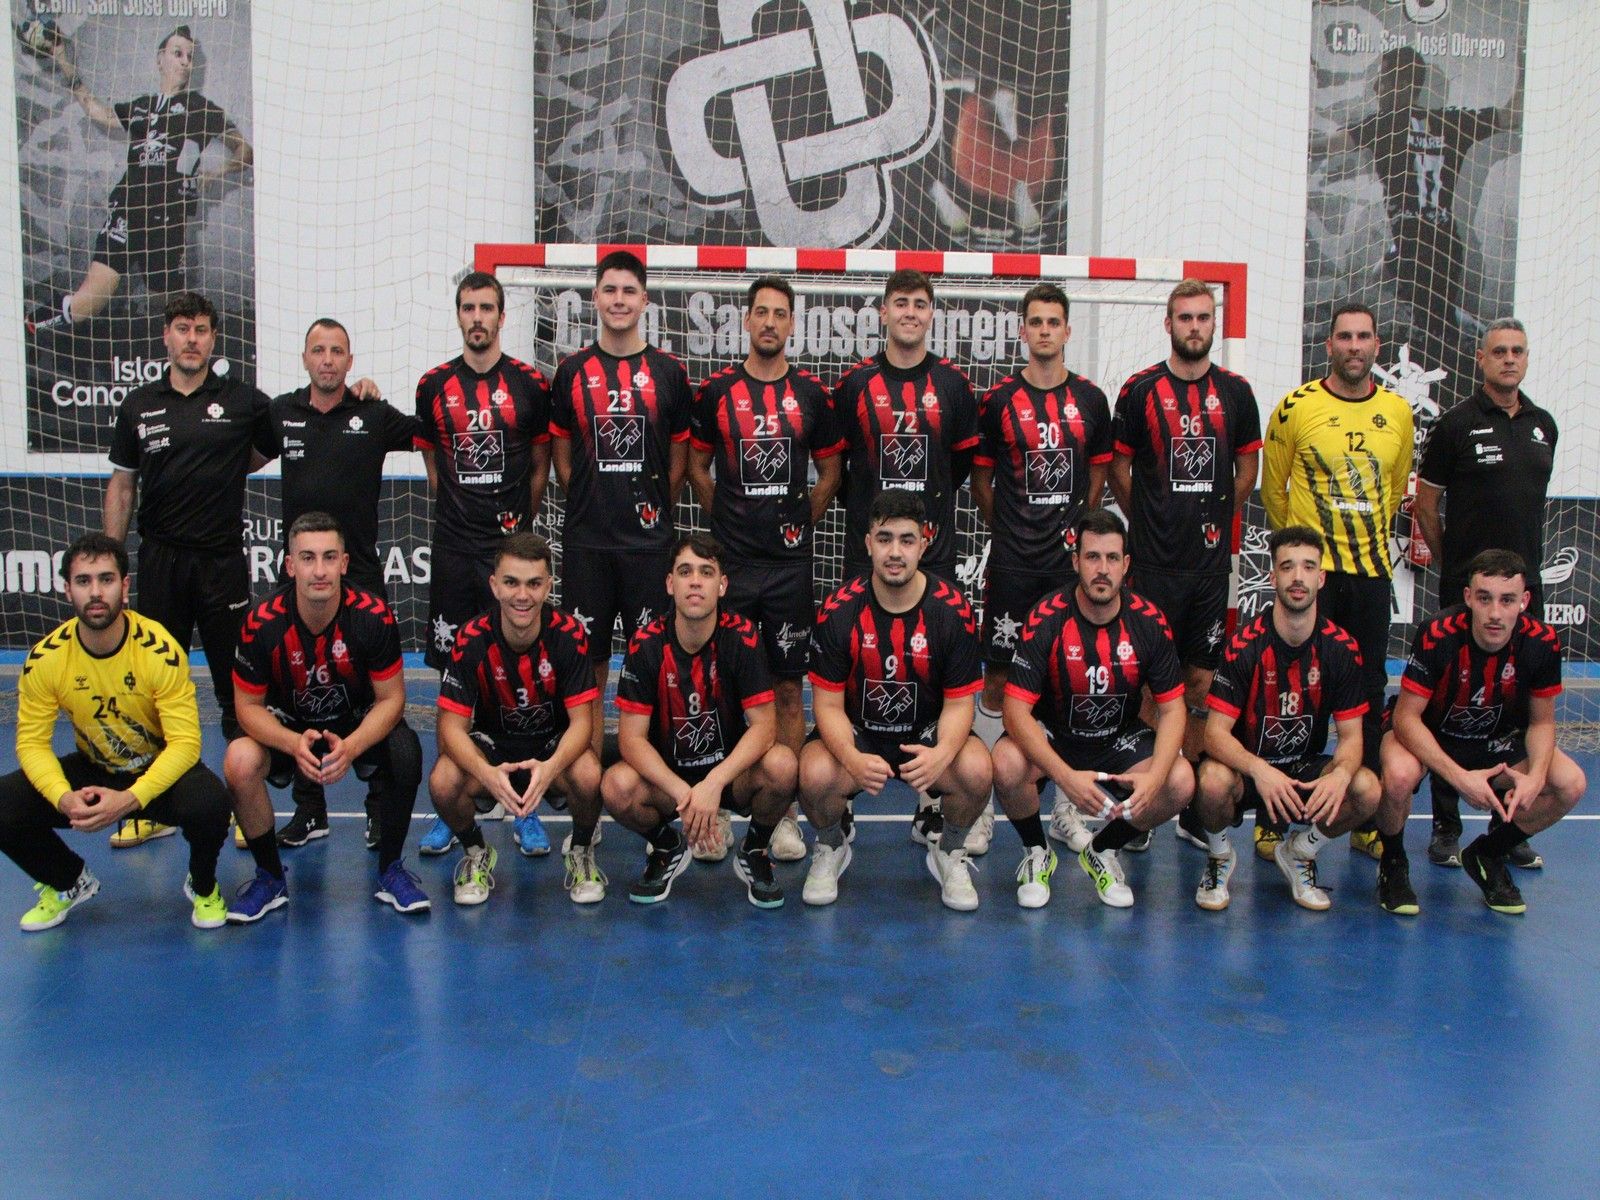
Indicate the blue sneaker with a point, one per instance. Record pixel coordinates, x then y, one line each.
437 840
257 898
532 840
402 890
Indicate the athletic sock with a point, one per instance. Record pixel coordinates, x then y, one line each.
831 836
953 837
1115 835
1503 838
582 835
1030 830
757 836
472 838
664 836
1394 846
1217 843
201 880
264 848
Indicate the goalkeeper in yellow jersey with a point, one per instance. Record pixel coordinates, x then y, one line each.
1337 458
124 684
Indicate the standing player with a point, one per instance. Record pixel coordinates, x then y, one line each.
484 436
1188 440
759 421
148 213
332 443
125 686
1041 462
894 670
182 445
620 418
515 705
1281 678
1088 652
909 421
321 692
698 733
1338 458
1477 708
1493 455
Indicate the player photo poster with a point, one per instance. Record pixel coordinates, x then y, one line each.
805 123
134 157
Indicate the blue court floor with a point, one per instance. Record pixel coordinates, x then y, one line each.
882 1047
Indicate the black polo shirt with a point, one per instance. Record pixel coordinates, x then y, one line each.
333 463
1495 469
192 454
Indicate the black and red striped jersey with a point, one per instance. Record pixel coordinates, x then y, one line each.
1281 695
1040 442
1473 695
1085 680
896 670
760 436
696 702
621 416
1183 436
317 680
519 698
482 430
900 429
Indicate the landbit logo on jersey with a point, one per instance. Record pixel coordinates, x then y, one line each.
882 113
649 514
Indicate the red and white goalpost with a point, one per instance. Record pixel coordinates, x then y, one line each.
698 293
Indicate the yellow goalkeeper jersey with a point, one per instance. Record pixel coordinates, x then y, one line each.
132 712
1341 467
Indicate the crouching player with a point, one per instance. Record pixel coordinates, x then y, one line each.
1477 708
698 733
517 700
320 690
1086 656
1283 675
124 684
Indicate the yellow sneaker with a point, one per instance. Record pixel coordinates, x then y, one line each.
1267 842
136 831
238 837
1368 842
210 912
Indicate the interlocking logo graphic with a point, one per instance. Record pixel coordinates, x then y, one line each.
696 735
887 704
905 456
536 718
764 462
619 437
1049 472
1095 714
1285 737
883 112
1192 459
319 702
1470 720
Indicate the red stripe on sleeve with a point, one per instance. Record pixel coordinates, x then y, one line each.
1415 688
455 706
760 698
1216 704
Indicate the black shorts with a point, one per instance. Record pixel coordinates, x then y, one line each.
1507 750
598 586
145 242
281 768
503 751
1303 770
1196 608
1008 597
889 751
459 591
777 598
1129 748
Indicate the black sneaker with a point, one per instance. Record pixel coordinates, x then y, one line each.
755 868
1395 894
1192 831
927 825
1140 842
1492 876
1444 848
660 869
307 825
1524 856
372 833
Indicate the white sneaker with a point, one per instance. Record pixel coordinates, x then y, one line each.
1066 825
953 870
495 812
787 844
474 878
822 880
724 841
1212 894
982 832
585 881
1110 883
1033 877
1301 871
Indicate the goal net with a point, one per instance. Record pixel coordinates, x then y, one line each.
697 306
